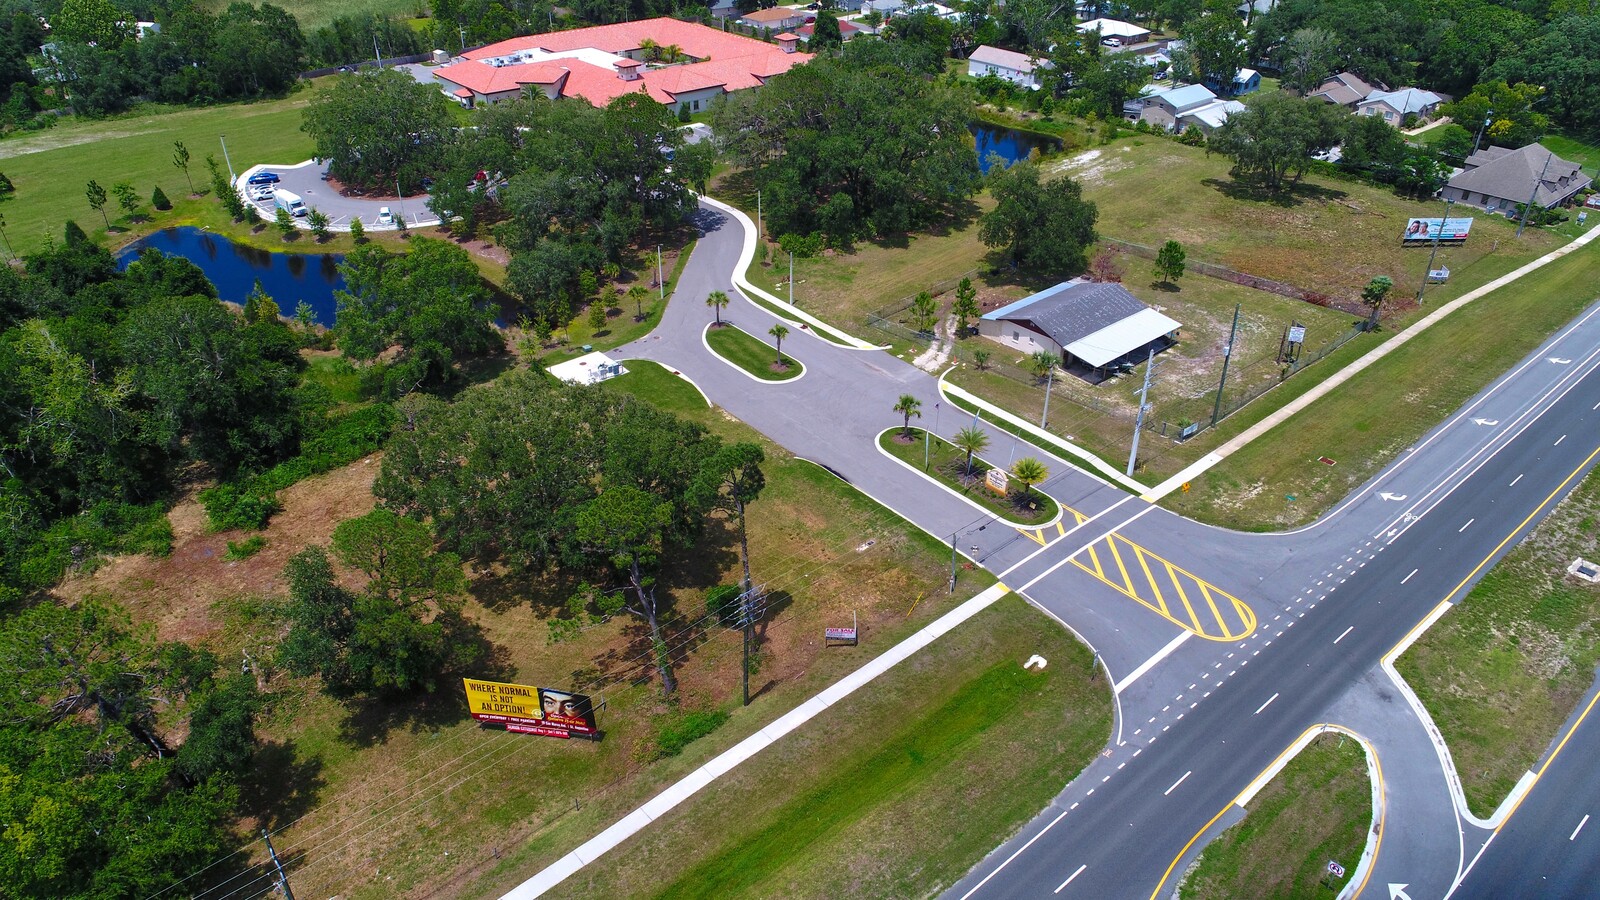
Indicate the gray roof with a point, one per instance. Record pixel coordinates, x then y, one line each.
1072 310
1510 175
1405 101
1343 89
1186 97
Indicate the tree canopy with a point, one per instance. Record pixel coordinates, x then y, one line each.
1044 226
1275 135
851 149
378 127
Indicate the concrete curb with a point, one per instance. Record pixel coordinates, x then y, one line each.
241 182
748 253
1333 381
721 764
1105 469
705 341
876 442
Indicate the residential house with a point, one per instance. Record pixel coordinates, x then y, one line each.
1092 325
1500 179
1245 81
1249 9
1395 106
847 30
885 8
607 61
1112 29
778 18
1017 68
1343 89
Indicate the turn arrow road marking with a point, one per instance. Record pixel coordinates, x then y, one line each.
1486 421
1398 891
1388 496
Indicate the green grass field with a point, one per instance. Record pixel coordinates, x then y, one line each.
1572 149
859 803
1318 809
313 14
1502 671
1366 422
948 466
50 168
749 353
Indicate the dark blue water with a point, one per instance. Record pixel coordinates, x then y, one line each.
1012 145
234 268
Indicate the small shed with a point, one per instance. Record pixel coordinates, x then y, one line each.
590 368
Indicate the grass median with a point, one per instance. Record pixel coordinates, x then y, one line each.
859 802
752 355
1502 672
1318 809
943 462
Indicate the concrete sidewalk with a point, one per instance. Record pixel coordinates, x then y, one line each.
725 762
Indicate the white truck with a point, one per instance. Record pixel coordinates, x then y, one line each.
290 202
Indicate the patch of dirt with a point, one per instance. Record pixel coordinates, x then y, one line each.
1091 166
486 249
178 594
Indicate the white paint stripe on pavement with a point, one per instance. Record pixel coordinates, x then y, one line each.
1264 705
1572 837
1515 480
1148 664
1343 633
1086 865
685 788
1178 782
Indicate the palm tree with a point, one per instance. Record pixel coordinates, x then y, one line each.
717 301
908 406
637 293
1042 362
1029 471
650 48
778 333
971 440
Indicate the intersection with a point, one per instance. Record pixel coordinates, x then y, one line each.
1224 648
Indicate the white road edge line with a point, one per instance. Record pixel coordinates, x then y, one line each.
1178 782
1575 831
1150 663
1080 872
1264 705
1343 633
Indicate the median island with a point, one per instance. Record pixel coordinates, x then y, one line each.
948 464
751 354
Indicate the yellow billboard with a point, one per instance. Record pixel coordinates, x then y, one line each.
522 707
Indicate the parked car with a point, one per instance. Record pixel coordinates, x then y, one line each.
1111 42
261 192
385 217
264 177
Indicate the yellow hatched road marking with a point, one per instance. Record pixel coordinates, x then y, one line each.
1226 628
1221 622
1060 529
1154 586
1037 536
1095 558
1127 583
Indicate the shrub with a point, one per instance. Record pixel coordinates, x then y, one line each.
231 507
78 541
679 731
159 200
244 549
802 246
722 602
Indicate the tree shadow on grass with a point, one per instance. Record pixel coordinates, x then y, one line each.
368 721
281 784
1291 195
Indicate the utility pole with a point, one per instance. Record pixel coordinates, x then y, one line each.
224 139
1527 211
463 39
1138 424
1487 118
758 216
791 279
953 538
1050 380
401 203
1227 357
377 57
660 279
283 878
10 252
1436 236
747 613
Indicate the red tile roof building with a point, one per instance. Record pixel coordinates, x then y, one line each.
607 61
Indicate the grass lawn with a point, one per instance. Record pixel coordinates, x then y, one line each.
1370 419
313 14
50 168
751 354
423 801
1501 672
949 466
1318 809
1584 153
859 803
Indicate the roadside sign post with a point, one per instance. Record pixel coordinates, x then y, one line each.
1435 252
841 635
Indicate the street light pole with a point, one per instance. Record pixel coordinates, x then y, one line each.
1487 118
1436 236
791 279
1050 380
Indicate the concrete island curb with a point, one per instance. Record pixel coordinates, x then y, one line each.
877 442
748 253
729 759
1104 471
1338 378
705 341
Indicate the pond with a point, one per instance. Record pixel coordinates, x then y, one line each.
1012 145
234 268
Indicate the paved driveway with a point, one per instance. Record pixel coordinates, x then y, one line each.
308 179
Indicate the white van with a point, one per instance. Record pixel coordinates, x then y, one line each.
384 216
290 202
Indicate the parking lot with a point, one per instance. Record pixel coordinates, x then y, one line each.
308 179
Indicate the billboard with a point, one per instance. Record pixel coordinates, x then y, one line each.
1428 230
527 709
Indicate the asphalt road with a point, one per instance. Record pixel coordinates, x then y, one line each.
308 180
1223 647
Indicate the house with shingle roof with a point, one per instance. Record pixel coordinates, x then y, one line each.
1082 323
1343 89
1394 106
1500 179
1017 68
